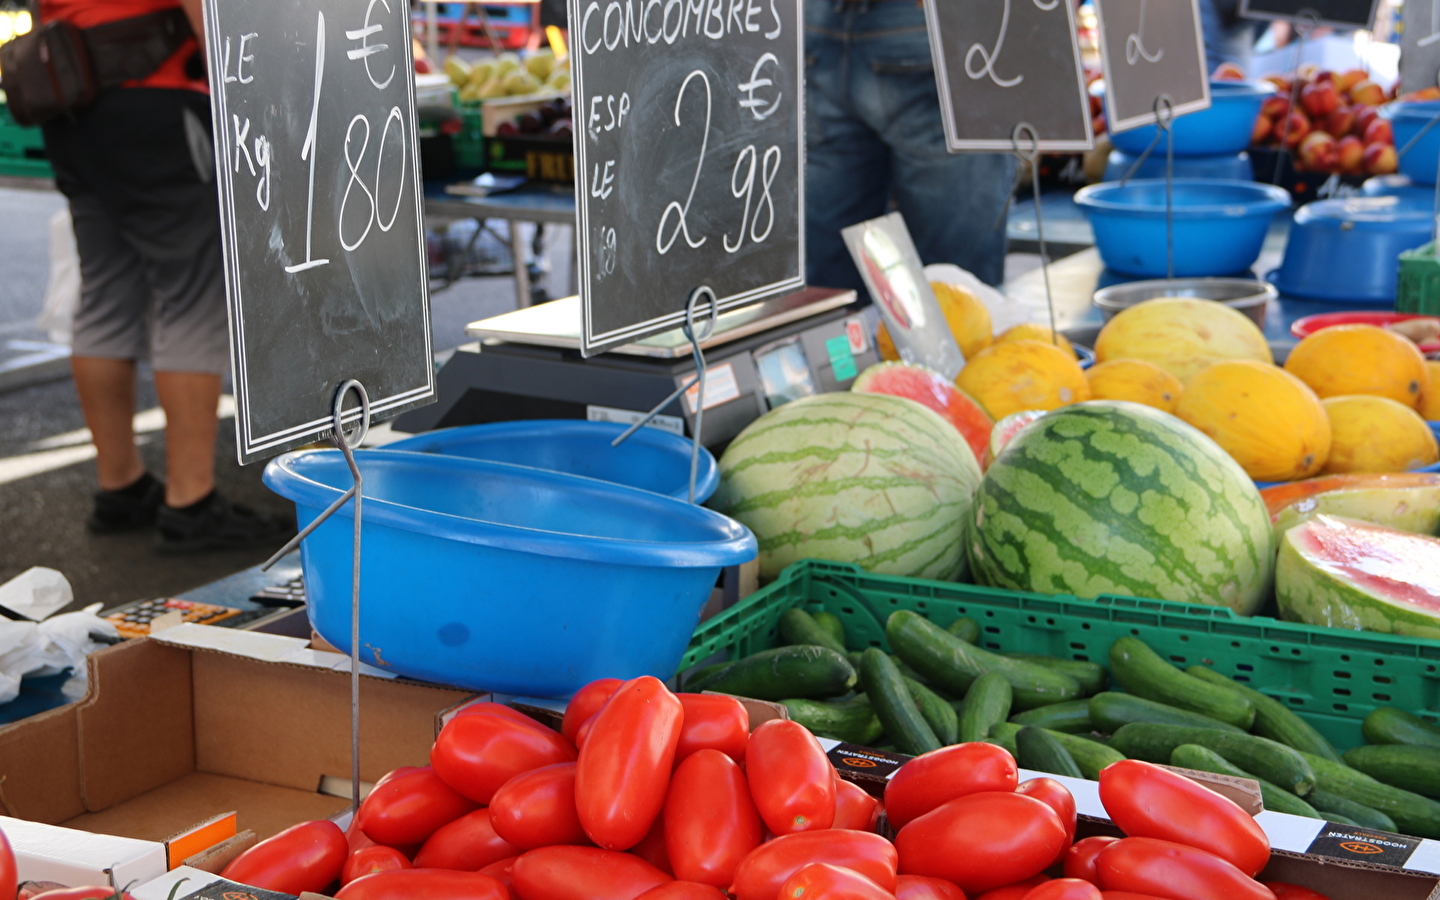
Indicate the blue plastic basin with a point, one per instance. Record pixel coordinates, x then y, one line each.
1349 250
1224 128
1406 121
1397 186
1231 166
1219 225
650 459
497 577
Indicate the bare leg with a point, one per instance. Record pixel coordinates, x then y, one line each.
107 398
191 401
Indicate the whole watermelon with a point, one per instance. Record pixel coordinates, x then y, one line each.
869 479
1115 497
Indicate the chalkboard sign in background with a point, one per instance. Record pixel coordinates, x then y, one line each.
1002 62
1336 13
322 226
1149 48
1420 45
689 158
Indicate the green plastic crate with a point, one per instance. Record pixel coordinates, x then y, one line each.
1332 678
22 148
1417 288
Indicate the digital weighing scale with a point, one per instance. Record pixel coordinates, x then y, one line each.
527 365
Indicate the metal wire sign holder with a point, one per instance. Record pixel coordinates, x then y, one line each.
346 444
698 378
1164 121
1030 156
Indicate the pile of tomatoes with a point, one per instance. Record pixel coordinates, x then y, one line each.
649 795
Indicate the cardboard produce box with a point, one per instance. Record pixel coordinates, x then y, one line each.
193 735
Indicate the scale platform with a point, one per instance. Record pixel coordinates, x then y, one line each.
526 364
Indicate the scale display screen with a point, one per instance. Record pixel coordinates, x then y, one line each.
784 372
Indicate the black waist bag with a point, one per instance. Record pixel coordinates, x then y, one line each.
58 69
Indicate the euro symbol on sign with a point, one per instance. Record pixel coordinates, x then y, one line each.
750 101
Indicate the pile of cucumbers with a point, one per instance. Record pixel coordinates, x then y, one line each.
1054 715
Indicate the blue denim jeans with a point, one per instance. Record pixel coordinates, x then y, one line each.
873 135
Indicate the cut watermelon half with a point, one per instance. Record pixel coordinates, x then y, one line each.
1406 501
1005 430
929 388
1345 573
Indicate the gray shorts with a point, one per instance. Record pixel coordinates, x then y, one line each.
147 228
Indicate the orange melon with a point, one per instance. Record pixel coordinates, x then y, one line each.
1181 335
1430 397
1034 331
1264 417
1360 359
1377 434
1018 375
967 316
1135 380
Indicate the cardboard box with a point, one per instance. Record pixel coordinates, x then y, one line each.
232 730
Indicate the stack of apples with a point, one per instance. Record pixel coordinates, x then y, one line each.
1334 127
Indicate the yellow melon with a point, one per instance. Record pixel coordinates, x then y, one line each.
1266 418
1430 397
1377 434
1034 331
1135 380
1181 335
1017 375
967 316
1360 359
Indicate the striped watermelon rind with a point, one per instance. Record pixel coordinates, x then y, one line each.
1112 497
879 481
1392 587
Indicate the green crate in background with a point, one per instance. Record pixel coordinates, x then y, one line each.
1417 289
22 148
1332 678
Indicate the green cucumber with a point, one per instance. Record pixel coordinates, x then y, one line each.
1091 756
831 623
1041 752
937 711
890 698
1143 673
1203 759
1332 804
1110 711
1388 725
805 671
1272 718
965 628
1271 760
952 664
1092 676
1413 814
1339 819
1405 766
986 703
853 720
799 627
699 673
1003 735
1072 716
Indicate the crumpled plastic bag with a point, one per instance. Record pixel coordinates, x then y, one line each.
36 593
49 644
69 638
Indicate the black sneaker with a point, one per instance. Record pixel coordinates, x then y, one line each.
217 524
129 508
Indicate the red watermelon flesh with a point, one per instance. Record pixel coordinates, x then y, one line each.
929 388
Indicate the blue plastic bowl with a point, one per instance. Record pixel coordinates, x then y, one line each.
497 577
1406 121
1397 186
1224 128
1349 250
650 459
1219 225
1231 166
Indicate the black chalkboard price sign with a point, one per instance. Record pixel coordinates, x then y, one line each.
689 158
999 63
1347 14
1150 48
1420 45
321 212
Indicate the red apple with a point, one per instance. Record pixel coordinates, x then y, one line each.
1275 106
1339 122
1261 131
1319 98
1349 78
1351 152
1368 93
1228 71
1319 152
1097 105
1323 75
1364 115
1098 124
1295 129
1380 159
1378 132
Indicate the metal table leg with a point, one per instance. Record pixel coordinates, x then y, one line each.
523 297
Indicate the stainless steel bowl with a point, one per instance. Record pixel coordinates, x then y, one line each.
1244 294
